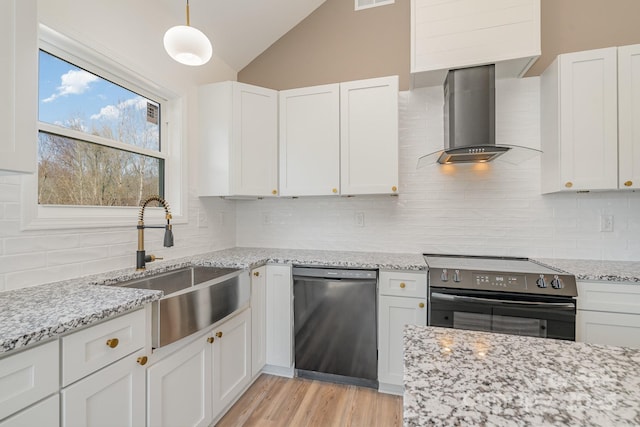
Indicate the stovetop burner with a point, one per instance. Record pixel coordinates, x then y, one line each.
498 274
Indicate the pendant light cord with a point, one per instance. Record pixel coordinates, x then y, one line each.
188 23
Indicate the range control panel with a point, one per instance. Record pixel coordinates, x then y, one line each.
531 283
501 282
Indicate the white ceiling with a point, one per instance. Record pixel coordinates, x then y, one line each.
240 30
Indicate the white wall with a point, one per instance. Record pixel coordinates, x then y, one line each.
494 208
131 33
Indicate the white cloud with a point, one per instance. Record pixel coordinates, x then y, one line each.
73 82
108 112
111 112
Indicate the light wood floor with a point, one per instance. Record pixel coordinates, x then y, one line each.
280 402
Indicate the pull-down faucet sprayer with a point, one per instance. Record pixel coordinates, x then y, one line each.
141 257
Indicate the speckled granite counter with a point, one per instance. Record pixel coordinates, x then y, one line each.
608 271
31 315
251 257
455 377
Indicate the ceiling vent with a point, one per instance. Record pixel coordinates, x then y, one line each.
368 4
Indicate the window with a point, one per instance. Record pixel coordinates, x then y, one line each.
367 4
98 143
107 139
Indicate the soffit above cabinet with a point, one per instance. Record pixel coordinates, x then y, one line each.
450 34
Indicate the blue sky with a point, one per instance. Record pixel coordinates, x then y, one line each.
68 92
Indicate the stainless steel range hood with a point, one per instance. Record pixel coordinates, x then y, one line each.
469 120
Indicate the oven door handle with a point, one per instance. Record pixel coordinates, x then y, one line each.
447 297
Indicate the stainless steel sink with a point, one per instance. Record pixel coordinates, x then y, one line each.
194 298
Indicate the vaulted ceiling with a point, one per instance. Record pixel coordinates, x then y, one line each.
240 30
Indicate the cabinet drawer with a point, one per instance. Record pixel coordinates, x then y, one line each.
403 283
88 350
611 297
27 377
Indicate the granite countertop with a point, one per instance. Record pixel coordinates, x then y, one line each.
594 270
35 314
456 377
252 257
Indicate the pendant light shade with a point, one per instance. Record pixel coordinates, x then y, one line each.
187 45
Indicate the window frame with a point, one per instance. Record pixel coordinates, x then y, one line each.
172 148
375 3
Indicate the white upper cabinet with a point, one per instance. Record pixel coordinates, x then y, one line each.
18 86
340 139
369 136
448 34
310 141
588 103
238 140
628 116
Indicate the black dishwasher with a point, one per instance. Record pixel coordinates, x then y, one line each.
335 324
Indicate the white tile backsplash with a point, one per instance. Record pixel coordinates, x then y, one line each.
29 258
494 208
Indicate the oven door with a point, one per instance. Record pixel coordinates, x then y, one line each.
509 313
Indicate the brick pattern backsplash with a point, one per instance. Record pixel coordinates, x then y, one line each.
494 208
29 258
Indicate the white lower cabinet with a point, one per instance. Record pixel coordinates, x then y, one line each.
231 360
608 313
194 385
279 320
28 376
619 329
180 388
258 320
42 414
394 314
113 396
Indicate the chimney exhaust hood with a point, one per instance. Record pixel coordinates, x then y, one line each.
469 121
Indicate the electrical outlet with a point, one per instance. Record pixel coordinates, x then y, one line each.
266 218
202 219
359 219
606 223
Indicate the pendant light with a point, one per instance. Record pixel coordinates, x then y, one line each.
187 45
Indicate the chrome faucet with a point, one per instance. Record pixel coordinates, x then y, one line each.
141 257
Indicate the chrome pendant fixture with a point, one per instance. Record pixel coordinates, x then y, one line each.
187 45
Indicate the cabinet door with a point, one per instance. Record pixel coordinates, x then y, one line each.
617 329
179 388
279 315
589 120
113 396
310 141
394 314
18 85
628 114
43 414
231 360
238 150
369 136
255 141
258 320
